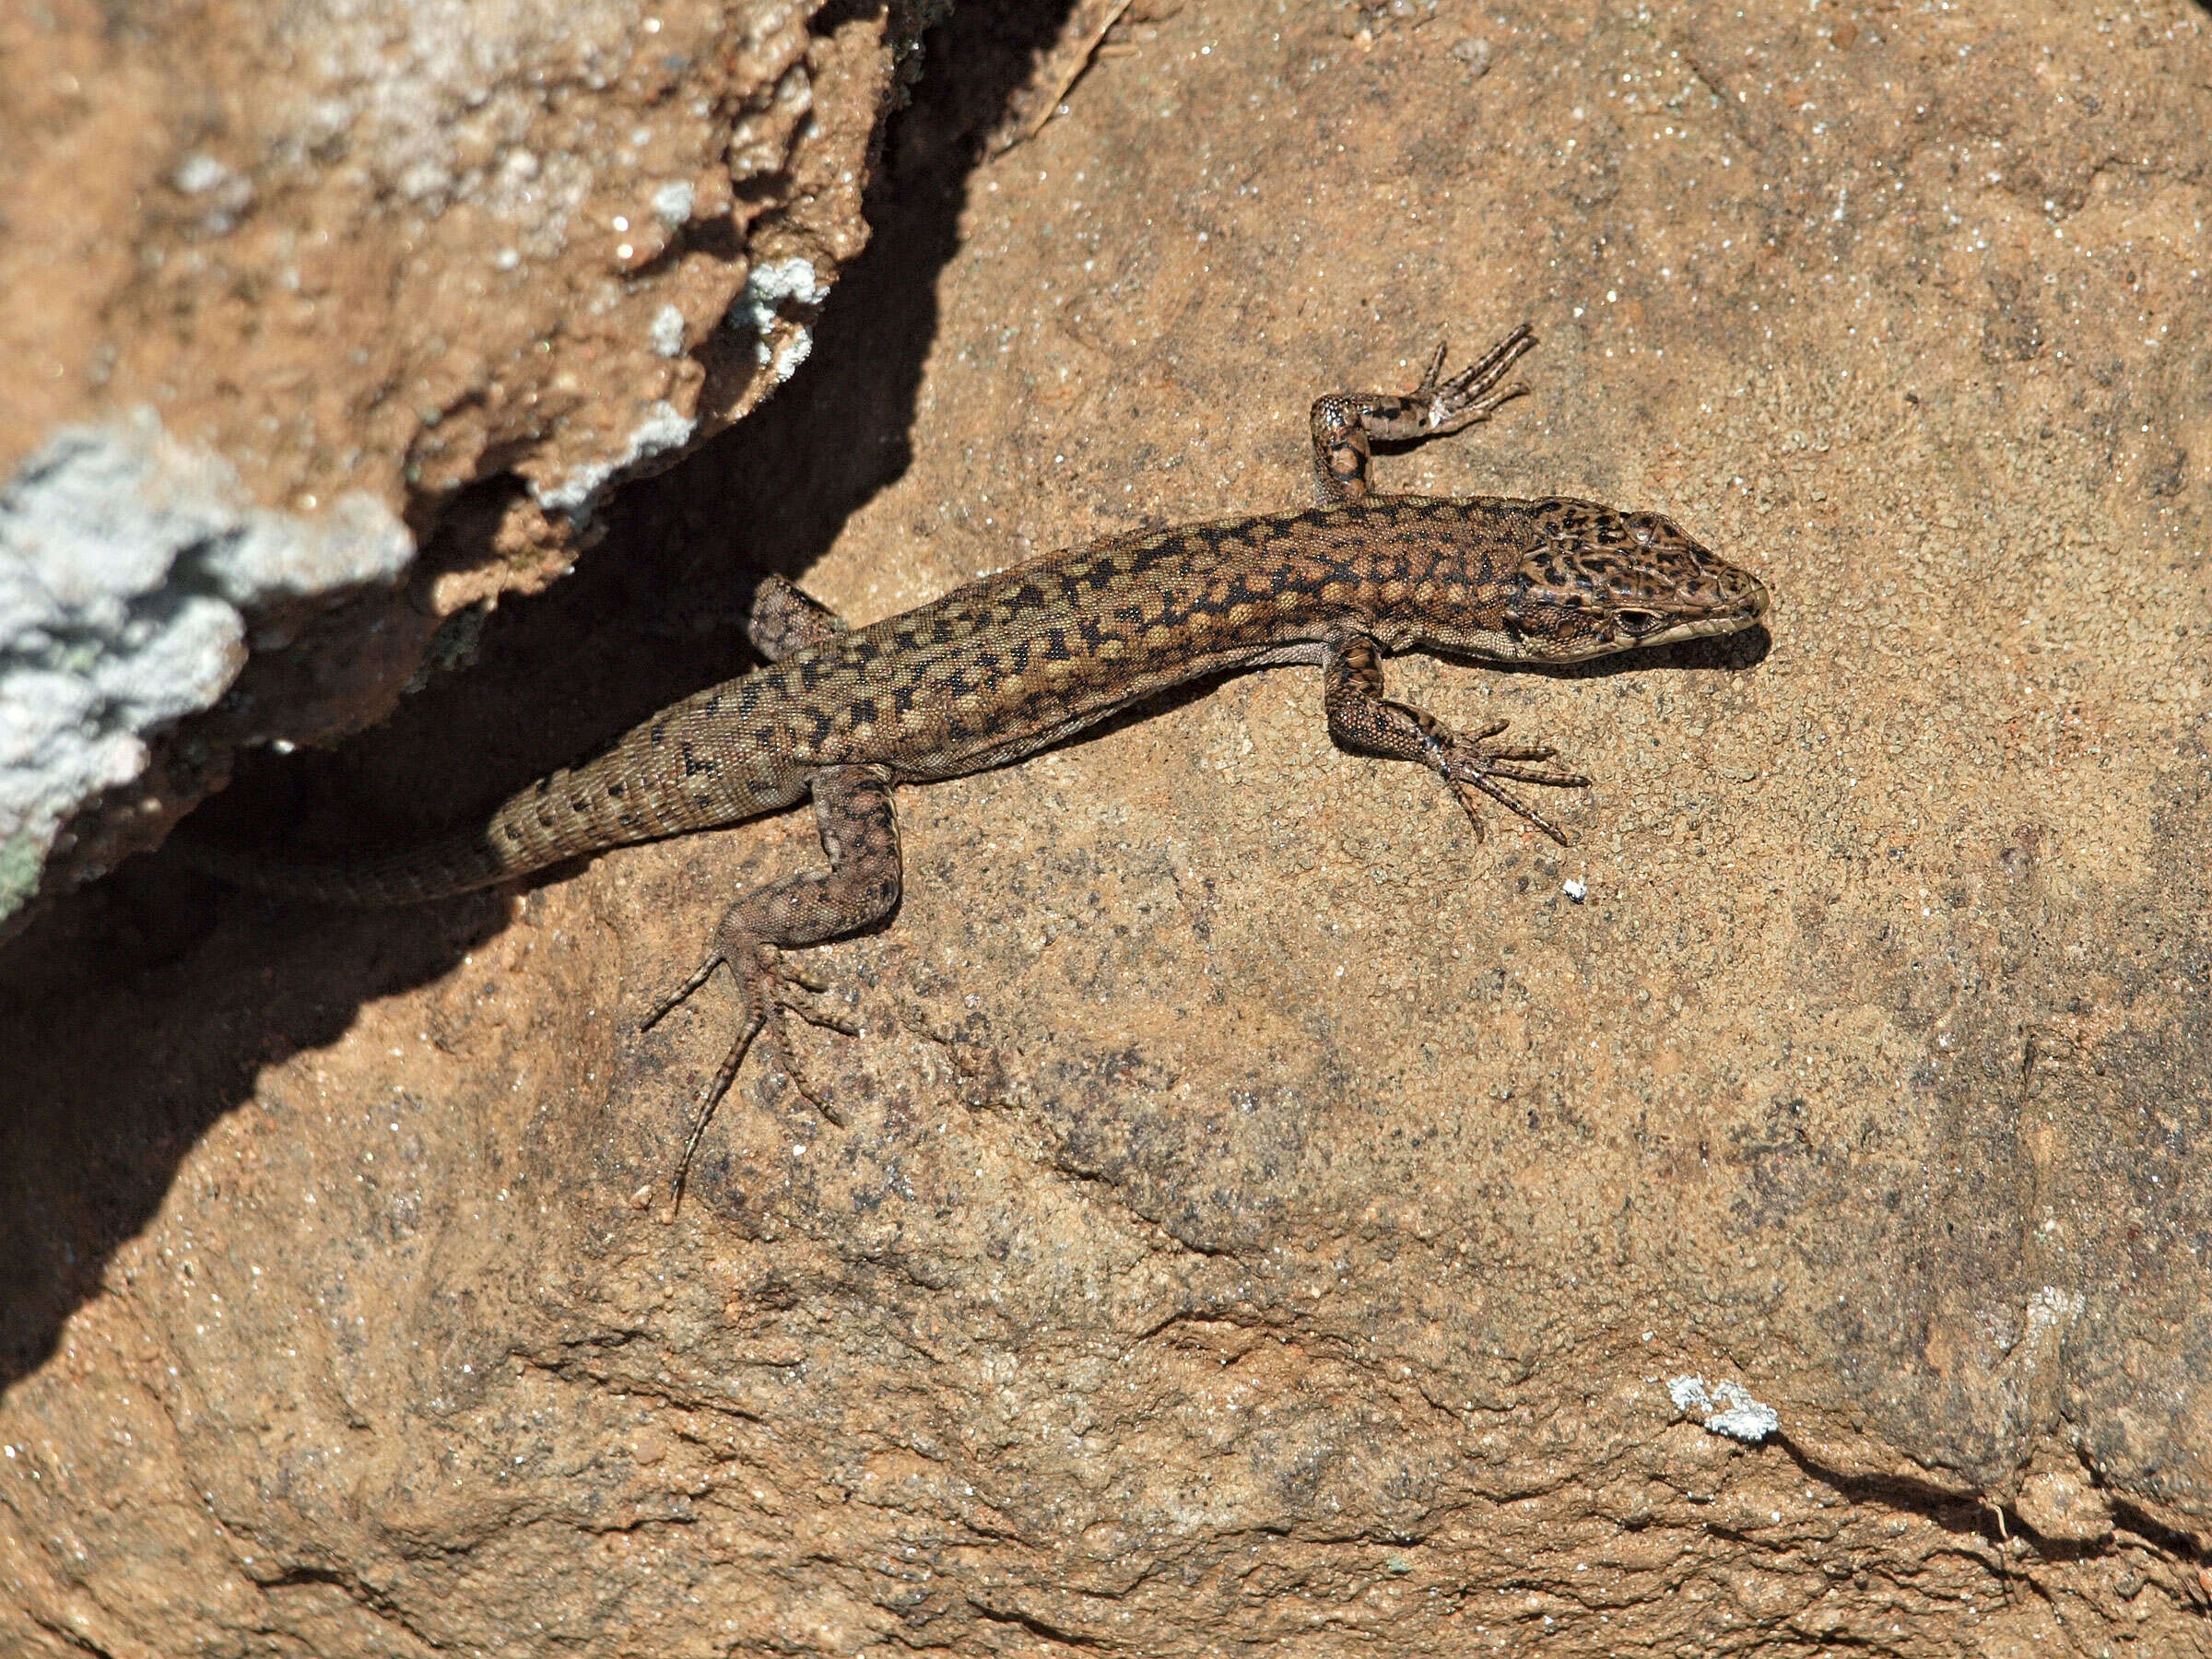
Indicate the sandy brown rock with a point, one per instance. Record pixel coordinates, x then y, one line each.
405 250
456 267
2059 1501
1265 1216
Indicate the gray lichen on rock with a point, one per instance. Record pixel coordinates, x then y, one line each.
131 568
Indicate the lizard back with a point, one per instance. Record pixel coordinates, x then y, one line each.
999 668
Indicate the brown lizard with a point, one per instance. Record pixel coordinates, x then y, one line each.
1017 662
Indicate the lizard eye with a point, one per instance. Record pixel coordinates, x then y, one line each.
1637 622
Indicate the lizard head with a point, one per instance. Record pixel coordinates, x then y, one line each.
1598 581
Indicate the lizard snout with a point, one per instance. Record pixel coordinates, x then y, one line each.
1604 581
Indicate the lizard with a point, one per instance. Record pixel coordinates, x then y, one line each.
1015 662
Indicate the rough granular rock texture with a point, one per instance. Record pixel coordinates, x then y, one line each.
1264 1217
456 268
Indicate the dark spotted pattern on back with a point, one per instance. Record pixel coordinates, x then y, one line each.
1015 662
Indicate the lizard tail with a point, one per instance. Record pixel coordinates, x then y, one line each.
458 864
615 801
565 816
678 772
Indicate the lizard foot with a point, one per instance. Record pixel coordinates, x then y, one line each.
764 981
1474 763
1446 406
1345 424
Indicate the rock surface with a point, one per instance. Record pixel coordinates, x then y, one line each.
1266 1214
363 276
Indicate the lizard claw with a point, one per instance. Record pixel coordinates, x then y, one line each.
1476 764
761 975
666 1005
1466 786
791 973
1473 393
774 965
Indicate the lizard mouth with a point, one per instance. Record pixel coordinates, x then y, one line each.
1704 627
1748 593
1743 602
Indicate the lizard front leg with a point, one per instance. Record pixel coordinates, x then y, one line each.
1361 718
860 834
1343 422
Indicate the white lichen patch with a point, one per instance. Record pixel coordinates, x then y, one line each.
199 173
1725 1407
771 286
673 203
665 428
792 353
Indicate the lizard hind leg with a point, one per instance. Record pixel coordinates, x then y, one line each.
860 833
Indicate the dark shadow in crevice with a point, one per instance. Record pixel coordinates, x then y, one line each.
138 1012
1963 1515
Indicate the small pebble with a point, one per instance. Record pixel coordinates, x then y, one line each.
1475 54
